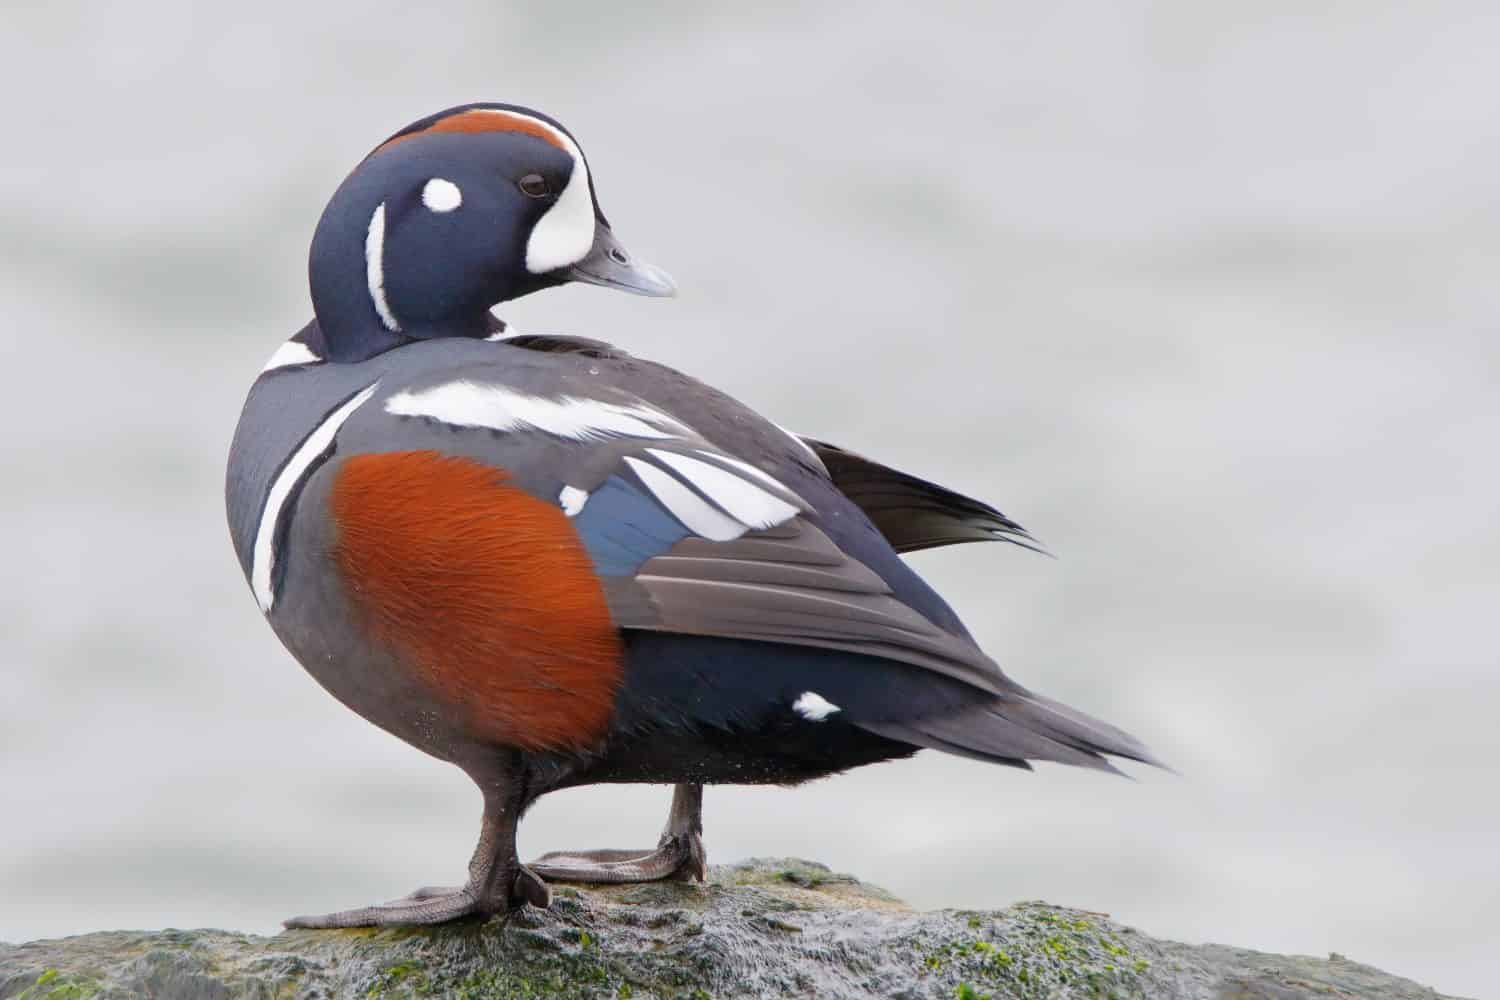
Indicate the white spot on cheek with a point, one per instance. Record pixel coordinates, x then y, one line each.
572 500
440 195
375 268
814 707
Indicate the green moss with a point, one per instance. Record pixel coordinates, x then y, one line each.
1036 954
407 977
52 985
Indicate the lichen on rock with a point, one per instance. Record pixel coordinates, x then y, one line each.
762 928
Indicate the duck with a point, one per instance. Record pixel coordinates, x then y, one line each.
551 563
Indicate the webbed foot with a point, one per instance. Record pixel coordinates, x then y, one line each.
436 904
678 855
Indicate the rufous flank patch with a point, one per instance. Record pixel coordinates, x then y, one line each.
484 590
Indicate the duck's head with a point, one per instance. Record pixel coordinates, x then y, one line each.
453 214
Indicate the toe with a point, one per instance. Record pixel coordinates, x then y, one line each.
432 909
530 888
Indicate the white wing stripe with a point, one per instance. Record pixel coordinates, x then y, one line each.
470 404
685 505
746 467
742 499
263 556
798 440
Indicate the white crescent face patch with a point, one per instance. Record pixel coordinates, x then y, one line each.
565 233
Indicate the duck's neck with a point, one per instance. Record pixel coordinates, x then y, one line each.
356 320
351 345
367 343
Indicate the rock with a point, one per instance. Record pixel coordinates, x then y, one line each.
763 928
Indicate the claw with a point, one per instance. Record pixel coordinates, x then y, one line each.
531 889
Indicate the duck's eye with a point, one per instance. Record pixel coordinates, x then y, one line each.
534 186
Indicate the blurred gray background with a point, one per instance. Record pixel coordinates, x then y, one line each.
1203 294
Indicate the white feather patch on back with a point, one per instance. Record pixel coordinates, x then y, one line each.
375 268
471 404
814 707
743 500
572 499
263 555
293 352
685 505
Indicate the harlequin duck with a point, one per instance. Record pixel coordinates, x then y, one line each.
553 564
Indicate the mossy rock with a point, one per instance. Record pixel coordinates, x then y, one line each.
763 928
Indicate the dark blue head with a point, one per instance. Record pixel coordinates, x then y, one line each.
451 215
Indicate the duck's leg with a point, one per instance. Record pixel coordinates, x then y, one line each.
678 855
498 882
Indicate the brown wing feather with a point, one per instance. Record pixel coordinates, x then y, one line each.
793 586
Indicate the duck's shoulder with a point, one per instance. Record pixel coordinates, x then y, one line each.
552 343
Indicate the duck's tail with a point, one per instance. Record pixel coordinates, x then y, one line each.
1022 727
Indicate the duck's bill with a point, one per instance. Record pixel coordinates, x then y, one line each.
612 266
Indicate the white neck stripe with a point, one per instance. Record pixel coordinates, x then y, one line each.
293 352
263 556
375 268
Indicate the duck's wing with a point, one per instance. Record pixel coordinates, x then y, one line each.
684 537
912 513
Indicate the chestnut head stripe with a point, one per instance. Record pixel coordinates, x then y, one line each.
477 120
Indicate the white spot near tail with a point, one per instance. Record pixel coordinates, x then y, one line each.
572 500
375 268
814 707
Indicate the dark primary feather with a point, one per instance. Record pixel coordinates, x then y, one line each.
912 513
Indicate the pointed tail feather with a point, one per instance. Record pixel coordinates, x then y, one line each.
1017 729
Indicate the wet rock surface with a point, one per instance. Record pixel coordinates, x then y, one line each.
762 928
